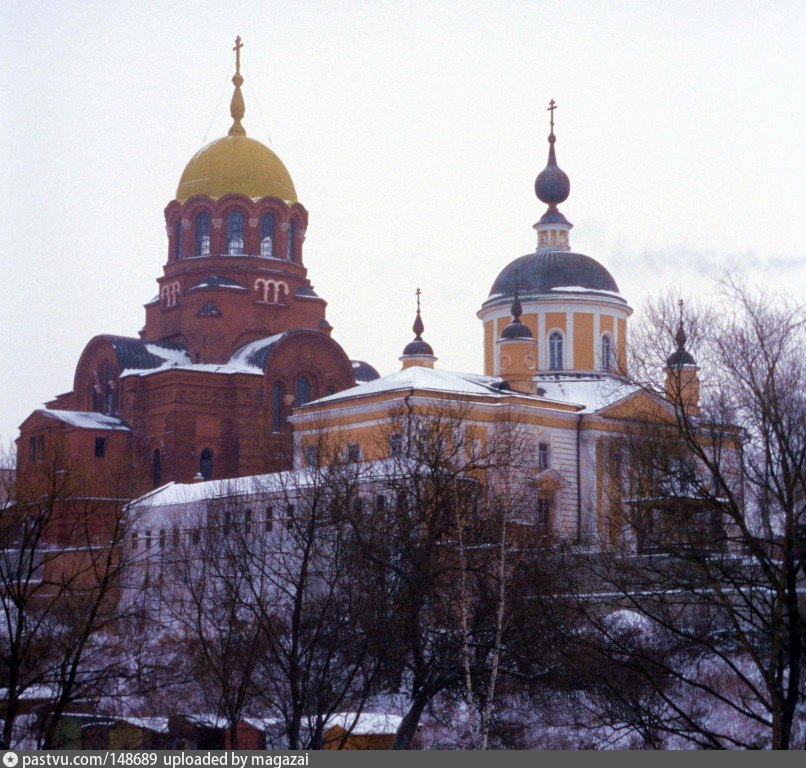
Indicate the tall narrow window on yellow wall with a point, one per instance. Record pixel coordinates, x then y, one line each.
555 351
607 352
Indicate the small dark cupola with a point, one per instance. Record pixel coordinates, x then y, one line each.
682 374
418 352
681 356
552 186
517 351
516 329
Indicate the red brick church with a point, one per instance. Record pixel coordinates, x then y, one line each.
235 338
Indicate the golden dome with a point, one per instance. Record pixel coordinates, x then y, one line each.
236 164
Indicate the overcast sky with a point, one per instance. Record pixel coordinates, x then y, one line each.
413 132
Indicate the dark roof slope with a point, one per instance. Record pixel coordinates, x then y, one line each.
543 271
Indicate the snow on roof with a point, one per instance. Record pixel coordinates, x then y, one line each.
207 720
171 357
255 354
155 724
433 380
583 289
181 494
592 392
418 377
85 419
365 722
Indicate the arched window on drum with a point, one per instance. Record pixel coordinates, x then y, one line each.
234 233
291 243
556 351
203 234
179 240
267 235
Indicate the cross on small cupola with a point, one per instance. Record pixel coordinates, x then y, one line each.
418 352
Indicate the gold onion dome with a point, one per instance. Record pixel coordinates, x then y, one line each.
236 164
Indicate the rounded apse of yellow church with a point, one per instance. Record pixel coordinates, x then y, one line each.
572 306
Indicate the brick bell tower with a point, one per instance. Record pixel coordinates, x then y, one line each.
235 270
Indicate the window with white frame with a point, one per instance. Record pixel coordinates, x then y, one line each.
556 352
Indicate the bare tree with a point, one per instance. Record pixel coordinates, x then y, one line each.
708 497
61 565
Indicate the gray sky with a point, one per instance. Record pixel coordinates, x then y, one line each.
413 132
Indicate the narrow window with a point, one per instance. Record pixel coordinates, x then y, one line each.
195 536
267 235
179 240
40 444
206 464
247 522
148 540
617 465
290 512
176 537
162 538
353 452
156 467
234 233
269 518
203 234
32 449
543 514
555 351
543 455
396 445
290 244
607 353
310 455
380 503
226 522
100 447
277 404
135 541
302 391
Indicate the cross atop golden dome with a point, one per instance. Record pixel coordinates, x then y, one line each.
236 107
236 164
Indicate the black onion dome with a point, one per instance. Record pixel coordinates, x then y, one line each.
681 356
516 330
543 271
417 347
552 184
